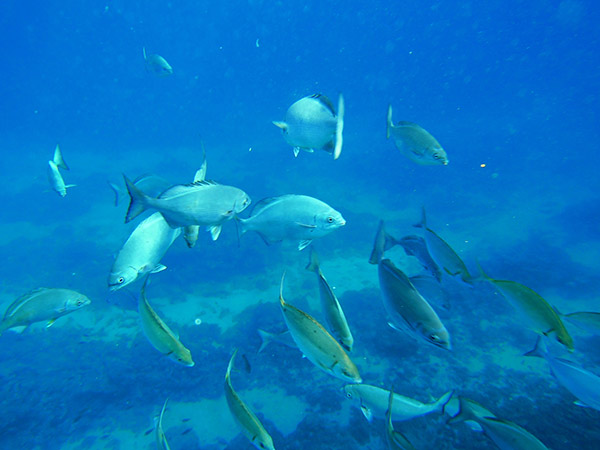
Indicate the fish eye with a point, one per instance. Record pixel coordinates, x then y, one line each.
79 302
436 156
434 338
348 394
330 219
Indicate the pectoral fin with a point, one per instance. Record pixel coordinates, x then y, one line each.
303 244
50 322
215 232
306 225
366 412
158 268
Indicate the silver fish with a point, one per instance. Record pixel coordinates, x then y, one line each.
581 383
443 254
292 217
334 315
142 252
202 203
406 307
505 434
395 439
161 439
317 344
43 304
54 176
373 402
244 417
284 338
191 232
159 334
417 247
415 143
157 65
312 123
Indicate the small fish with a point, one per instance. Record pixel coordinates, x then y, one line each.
374 402
312 123
538 313
581 383
588 321
203 203
161 439
505 434
244 417
284 338
334 315
415 142
406 307
292 217
395 439
142 252
156 64
443 254
316 343
191 232
417 247
54 176
159 334
42 304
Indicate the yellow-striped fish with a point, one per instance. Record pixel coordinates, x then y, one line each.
316 343
251 426
159 334
541 317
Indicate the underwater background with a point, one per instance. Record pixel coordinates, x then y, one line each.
509 88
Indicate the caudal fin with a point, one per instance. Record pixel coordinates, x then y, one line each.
266 338
58 159
138 203
313 263
383 241
337 150
441 403
539 350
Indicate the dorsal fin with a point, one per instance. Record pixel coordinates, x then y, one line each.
20 300
264 203
324 101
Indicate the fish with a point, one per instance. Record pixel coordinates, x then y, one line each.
191 232
374 402
161 439
586 320
159 334
444 255
42 304
202 203
407 309
582 383
152 185
316 343
505 434
395 439
142 252
156 64
417 247
312 123
292 217
539 314
284 338
54 176
334 315
416 143
244 417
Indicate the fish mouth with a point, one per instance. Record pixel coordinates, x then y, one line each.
114 287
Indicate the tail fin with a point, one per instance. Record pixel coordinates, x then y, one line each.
441 403
465 412
58 159
423 222
138 203
390 124
339 128
266 338
540 350
313 264
383 242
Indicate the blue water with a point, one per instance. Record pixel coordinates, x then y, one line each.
509 88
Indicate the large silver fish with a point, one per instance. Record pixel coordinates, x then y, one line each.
142 252
292 217
374 402
416 143
406 307
334 315
159 334
43 304
505 434
581 383
244 417
203 203
443 254
312 123
161 439
317 344
395 439
156 64
54 176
